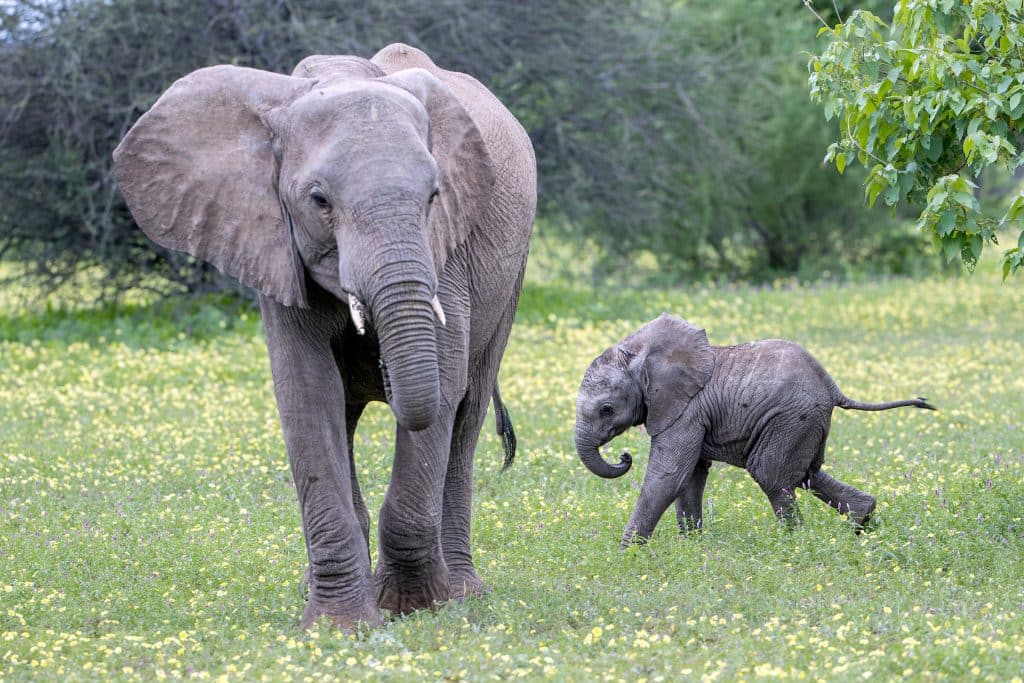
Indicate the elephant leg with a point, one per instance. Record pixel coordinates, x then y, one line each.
411 572
458 485
458 495
780 460
690 503
783 502
310 396
674 456
857 505
353 411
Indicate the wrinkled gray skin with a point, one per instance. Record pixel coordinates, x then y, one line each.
392 181
764 406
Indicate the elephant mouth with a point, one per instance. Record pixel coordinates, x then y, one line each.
386 379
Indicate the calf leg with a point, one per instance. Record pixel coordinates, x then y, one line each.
780 460
689 505
674 455
857 505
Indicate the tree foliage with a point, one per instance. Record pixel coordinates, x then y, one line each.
79 72
736 179
926 104
677 129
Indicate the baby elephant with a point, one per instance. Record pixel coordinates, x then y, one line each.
765 406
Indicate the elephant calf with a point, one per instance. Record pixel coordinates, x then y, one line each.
765 406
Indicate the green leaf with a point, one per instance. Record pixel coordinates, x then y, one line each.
1013 260
992 21
950 248
892 195
993 107
863 131
874 187
946 223
846 57
965 199
937 195
976 244
1015 209
840 162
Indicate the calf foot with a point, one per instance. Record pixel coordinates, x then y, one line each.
687 524
860 513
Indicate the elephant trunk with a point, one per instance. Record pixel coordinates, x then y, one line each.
399 284
589 453
404 323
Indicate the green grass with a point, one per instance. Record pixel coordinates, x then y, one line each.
148 526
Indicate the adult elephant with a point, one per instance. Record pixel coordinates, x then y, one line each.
382 208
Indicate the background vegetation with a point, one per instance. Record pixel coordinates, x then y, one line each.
678 132
148 525
148 528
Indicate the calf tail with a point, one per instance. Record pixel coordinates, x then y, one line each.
850 404
503 426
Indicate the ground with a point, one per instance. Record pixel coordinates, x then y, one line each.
148 526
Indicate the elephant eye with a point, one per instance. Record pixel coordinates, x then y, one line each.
433 195
319 198
606 410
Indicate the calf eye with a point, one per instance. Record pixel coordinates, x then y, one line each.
606 410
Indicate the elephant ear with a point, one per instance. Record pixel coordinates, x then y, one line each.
678 363
465 168
199 174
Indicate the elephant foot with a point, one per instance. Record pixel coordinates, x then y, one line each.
861 514
688 525
405 592
347 618
466 583
633 537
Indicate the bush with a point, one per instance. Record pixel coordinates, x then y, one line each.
682 130
734 183
78 73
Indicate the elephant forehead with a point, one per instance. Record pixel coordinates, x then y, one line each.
352 105
604 381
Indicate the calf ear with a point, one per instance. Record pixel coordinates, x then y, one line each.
678 363
199 175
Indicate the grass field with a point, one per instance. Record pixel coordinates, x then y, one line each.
148 527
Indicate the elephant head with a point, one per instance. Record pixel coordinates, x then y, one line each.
649 378
363 182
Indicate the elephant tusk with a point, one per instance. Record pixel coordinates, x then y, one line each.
438 311
355 309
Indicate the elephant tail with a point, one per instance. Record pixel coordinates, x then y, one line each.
503 426
850 404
